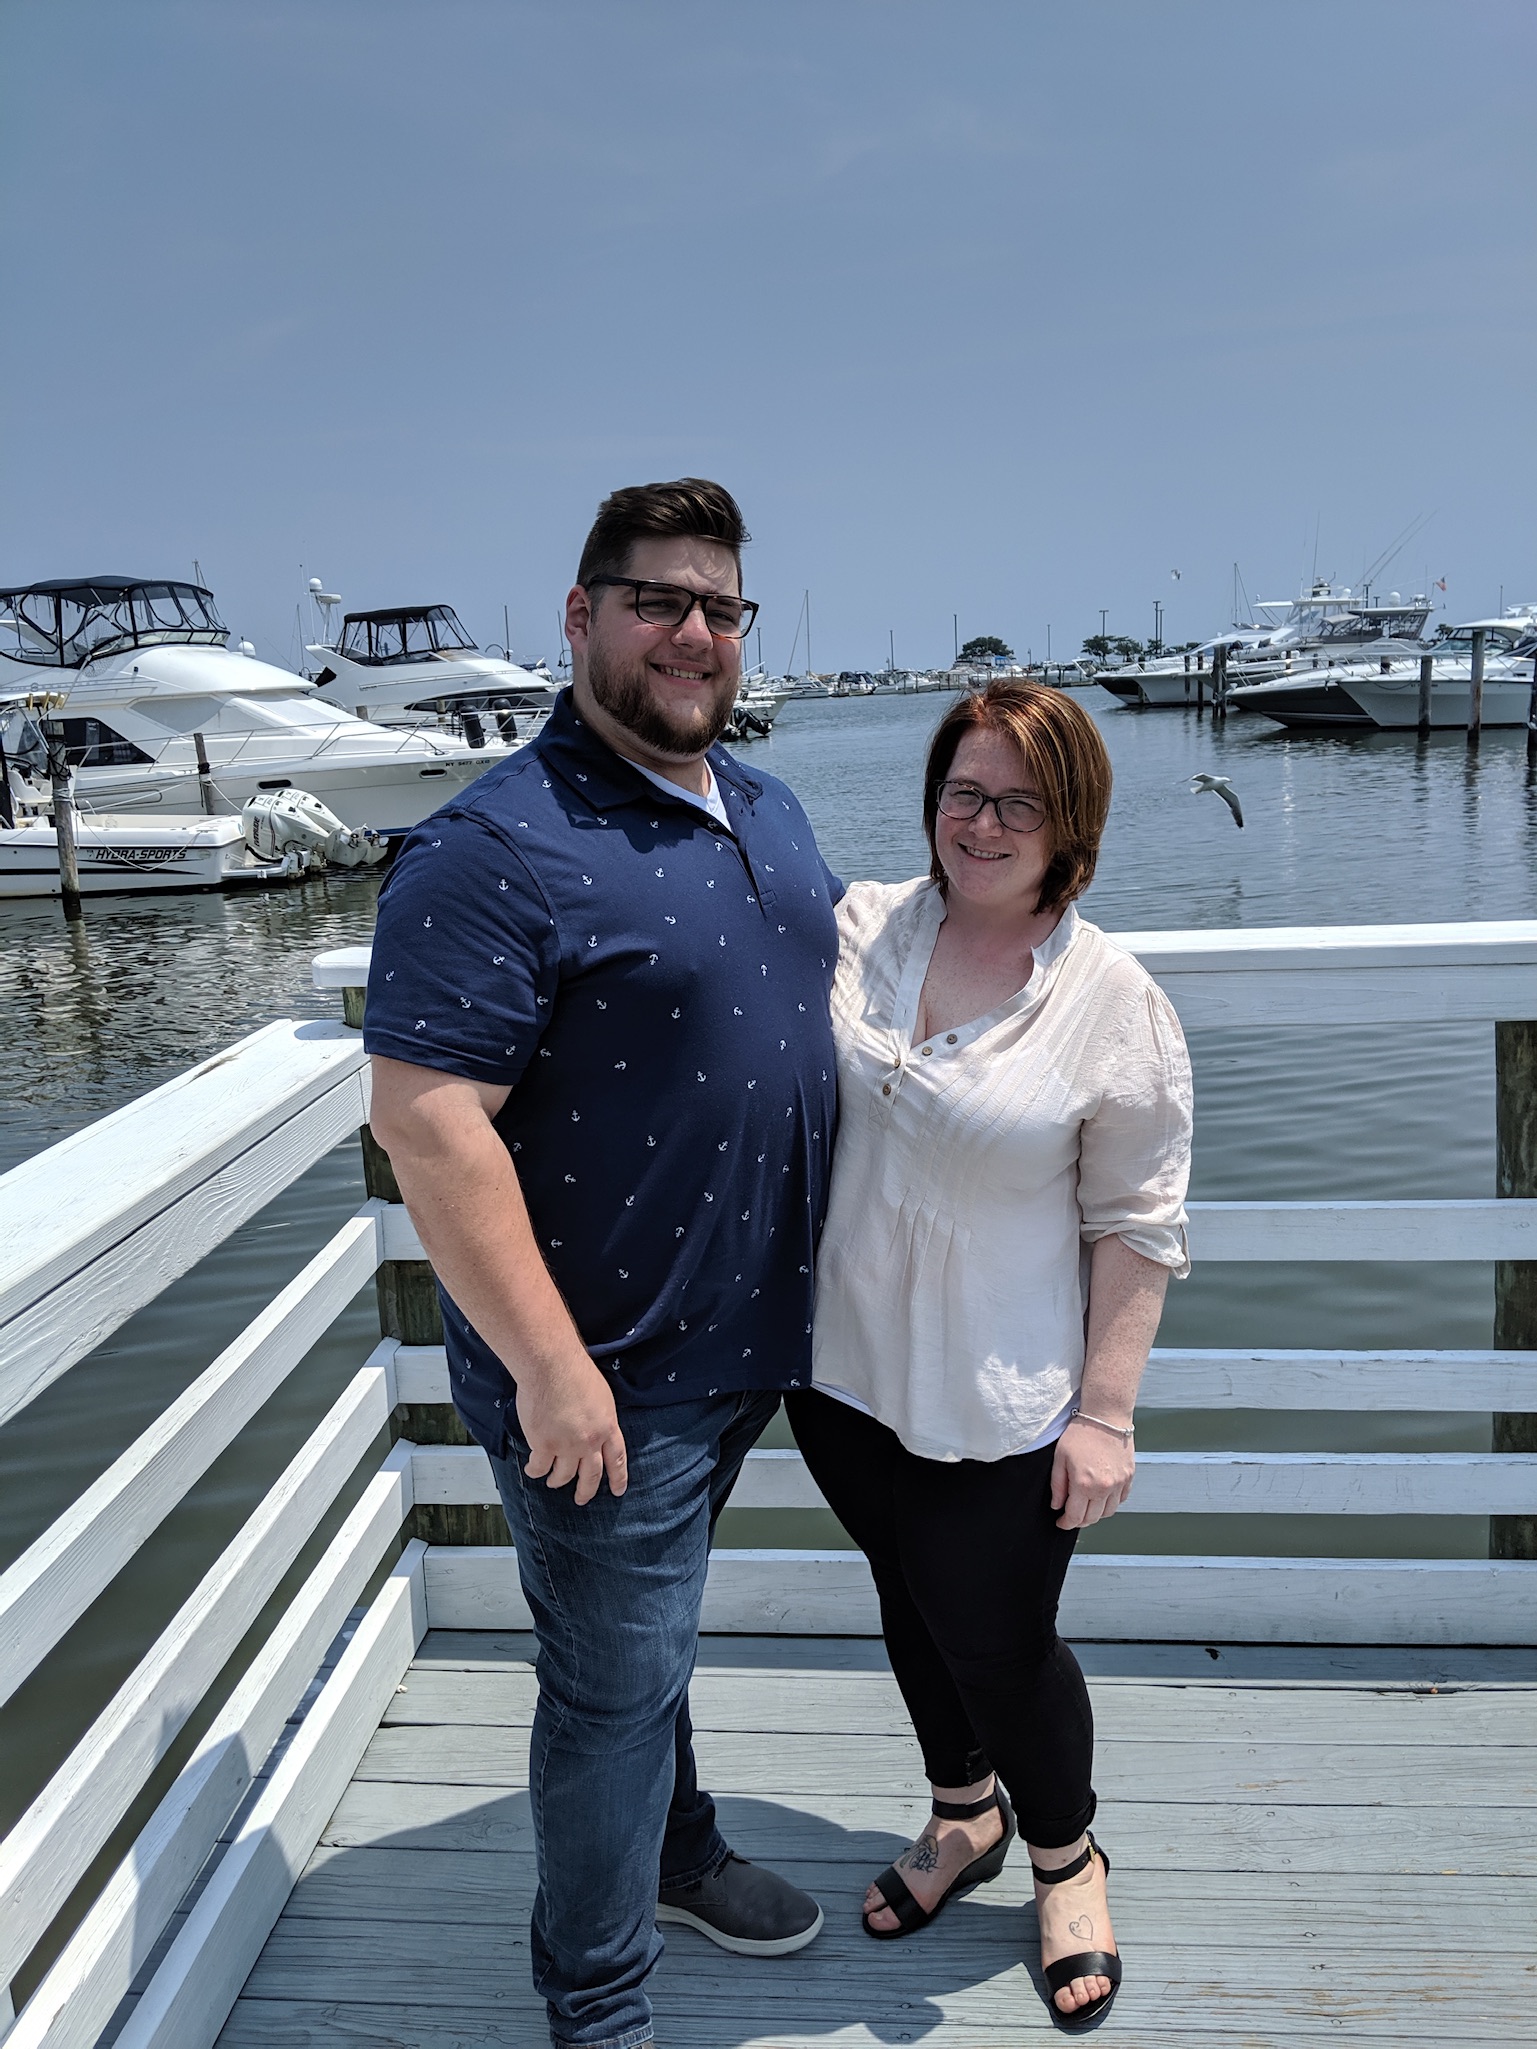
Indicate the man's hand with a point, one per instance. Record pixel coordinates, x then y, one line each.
458 1182
572 1427
1090 1476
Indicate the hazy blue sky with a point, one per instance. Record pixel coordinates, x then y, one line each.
1004 310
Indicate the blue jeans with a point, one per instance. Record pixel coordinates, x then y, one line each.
615 1588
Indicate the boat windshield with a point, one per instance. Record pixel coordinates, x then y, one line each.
415 633
64 625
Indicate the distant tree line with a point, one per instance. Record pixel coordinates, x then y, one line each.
1116 647
984 647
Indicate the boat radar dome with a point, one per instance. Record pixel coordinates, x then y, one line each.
314 583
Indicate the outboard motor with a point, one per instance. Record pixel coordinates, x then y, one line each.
283 822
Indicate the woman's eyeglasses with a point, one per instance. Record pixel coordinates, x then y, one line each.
669 604
1015 814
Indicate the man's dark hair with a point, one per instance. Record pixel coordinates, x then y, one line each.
690 507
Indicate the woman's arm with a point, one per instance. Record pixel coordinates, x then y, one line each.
1092 1472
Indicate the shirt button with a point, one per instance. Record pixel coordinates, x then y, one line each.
926 1051
886 1088
950 1040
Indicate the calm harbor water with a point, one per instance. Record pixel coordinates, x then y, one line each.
1375 829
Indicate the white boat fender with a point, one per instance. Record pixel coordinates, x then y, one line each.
282 822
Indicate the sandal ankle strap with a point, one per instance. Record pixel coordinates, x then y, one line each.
965 1810
1079 1863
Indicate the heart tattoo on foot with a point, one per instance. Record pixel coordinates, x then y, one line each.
1082 1929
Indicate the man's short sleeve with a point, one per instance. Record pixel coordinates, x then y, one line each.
466 956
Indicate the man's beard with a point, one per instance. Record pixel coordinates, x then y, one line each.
626 696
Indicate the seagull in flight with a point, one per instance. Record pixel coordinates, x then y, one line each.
1221 787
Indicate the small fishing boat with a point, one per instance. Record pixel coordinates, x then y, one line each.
138 856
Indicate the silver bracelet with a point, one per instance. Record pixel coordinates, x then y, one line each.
1126 1435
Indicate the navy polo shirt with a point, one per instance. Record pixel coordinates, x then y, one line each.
654 991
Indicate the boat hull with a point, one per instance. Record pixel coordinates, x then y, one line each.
123 857
390 796
1385 704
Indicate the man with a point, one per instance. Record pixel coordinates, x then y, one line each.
604 1075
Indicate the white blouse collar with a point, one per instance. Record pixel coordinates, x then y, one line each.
931 914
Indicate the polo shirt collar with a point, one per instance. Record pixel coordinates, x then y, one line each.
604 779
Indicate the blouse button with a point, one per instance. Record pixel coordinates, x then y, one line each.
950 1039
886 1088
926 1051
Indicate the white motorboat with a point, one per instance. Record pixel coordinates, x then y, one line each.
1321 626
758 703
279 837
161 715
412 665
1381 687
118 855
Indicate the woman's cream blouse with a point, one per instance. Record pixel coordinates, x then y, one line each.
974 1169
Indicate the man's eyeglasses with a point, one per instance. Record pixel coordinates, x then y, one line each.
1015 814
669 604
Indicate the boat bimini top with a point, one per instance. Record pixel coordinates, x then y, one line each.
403 633
66 623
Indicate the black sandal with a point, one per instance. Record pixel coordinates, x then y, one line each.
893 1889
1088 1963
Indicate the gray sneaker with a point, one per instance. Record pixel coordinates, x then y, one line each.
746 1909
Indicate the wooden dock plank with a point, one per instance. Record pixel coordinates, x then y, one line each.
1285 1665
1160 1834
976 1969
1152 1712
1246 1909
764 1762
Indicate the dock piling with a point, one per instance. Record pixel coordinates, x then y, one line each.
1427 666
1531 715
204 775
63 818
1515 1280
1476 688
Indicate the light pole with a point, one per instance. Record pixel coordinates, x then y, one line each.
1158 626
1104 614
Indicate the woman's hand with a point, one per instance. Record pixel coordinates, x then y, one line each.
1090 1476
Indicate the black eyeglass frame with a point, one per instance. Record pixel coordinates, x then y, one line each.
637 584
983 800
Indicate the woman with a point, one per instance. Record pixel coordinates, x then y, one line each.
1007 1207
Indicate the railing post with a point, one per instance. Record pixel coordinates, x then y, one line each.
408 1310
1515 1280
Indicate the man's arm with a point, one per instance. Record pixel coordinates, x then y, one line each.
462 1191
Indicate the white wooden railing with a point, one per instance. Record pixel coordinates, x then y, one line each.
97 1226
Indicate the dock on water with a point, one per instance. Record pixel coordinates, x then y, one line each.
1318 1777
1307 1845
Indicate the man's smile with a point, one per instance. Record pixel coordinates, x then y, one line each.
683 675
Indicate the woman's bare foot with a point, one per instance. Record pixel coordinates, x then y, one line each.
932 1864
1074 1915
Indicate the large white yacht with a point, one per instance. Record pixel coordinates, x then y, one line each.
1381 686
160 714
411 665
1321 626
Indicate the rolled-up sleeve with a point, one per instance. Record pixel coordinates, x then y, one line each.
1134 1156
466 957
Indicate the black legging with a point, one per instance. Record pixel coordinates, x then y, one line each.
969 1564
